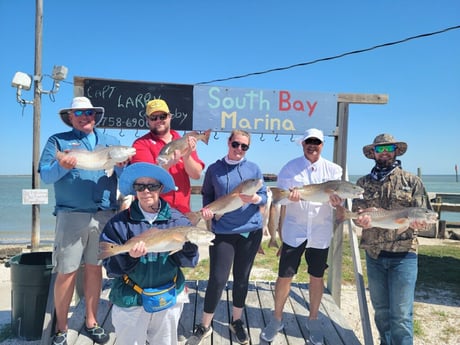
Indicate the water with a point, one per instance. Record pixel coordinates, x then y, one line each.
16 218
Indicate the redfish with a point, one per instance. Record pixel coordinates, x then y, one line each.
319 192
166 154
160 240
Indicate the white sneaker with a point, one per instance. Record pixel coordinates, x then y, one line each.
271 330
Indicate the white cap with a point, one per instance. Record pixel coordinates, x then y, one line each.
313 133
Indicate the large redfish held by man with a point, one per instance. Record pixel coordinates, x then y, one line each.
166 154
319 192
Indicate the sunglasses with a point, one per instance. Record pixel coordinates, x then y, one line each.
88 112
151 187
162 117
313 141
385 148
236 144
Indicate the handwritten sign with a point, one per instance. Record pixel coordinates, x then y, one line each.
125 102
223 109
34 196
263 111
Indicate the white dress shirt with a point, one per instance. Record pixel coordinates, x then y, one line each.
305 220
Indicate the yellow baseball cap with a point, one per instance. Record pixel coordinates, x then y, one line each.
156 105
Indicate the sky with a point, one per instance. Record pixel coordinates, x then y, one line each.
188 42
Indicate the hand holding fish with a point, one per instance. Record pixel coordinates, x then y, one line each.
183 147
206 213
139 249
419 224
363 219
294 195
67 161
335 200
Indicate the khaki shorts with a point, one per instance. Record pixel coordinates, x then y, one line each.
76 239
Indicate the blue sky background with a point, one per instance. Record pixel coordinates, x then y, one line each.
187 42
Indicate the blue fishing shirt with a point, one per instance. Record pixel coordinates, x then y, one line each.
78 190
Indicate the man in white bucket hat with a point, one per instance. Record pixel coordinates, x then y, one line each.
85 201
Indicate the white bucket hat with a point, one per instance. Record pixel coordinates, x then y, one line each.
81 103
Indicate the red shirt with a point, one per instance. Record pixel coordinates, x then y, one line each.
148 148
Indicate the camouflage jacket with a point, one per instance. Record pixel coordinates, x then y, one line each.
399 189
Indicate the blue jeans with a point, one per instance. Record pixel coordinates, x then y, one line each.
392 288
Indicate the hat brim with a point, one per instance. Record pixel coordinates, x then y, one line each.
137 170
401 148
64 113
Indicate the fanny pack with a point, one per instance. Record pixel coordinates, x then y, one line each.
155 299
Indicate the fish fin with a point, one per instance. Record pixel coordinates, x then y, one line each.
109 172
174 251
106 249
401 229
218 216
401 221
194 217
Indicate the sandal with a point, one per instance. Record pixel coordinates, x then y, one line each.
97 334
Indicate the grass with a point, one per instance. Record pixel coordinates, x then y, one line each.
5 332
439 267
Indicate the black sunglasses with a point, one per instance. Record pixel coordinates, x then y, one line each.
313 141
151 187
162 117
236 144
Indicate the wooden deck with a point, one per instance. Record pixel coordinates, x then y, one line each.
260 304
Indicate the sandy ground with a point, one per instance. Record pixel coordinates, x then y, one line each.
437 312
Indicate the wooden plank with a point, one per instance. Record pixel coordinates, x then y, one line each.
202 285
186 322
361 290
265 291
299 302
253 314
103 311
340 331
257 313
360 98
221 333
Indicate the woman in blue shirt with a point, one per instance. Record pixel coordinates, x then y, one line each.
238 234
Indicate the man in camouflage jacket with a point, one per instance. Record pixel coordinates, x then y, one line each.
391 255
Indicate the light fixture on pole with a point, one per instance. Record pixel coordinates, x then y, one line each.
23 81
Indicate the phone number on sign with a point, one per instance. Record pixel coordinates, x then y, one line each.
120 122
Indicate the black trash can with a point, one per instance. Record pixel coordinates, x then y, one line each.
30 281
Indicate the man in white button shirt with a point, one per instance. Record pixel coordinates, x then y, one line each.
307 228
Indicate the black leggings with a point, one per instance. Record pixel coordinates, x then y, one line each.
228 249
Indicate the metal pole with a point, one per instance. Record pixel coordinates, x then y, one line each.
35 240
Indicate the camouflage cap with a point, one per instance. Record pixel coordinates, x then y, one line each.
384 139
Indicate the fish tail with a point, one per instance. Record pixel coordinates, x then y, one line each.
206 136
273 243
106 249
194 217
342 214
277 195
